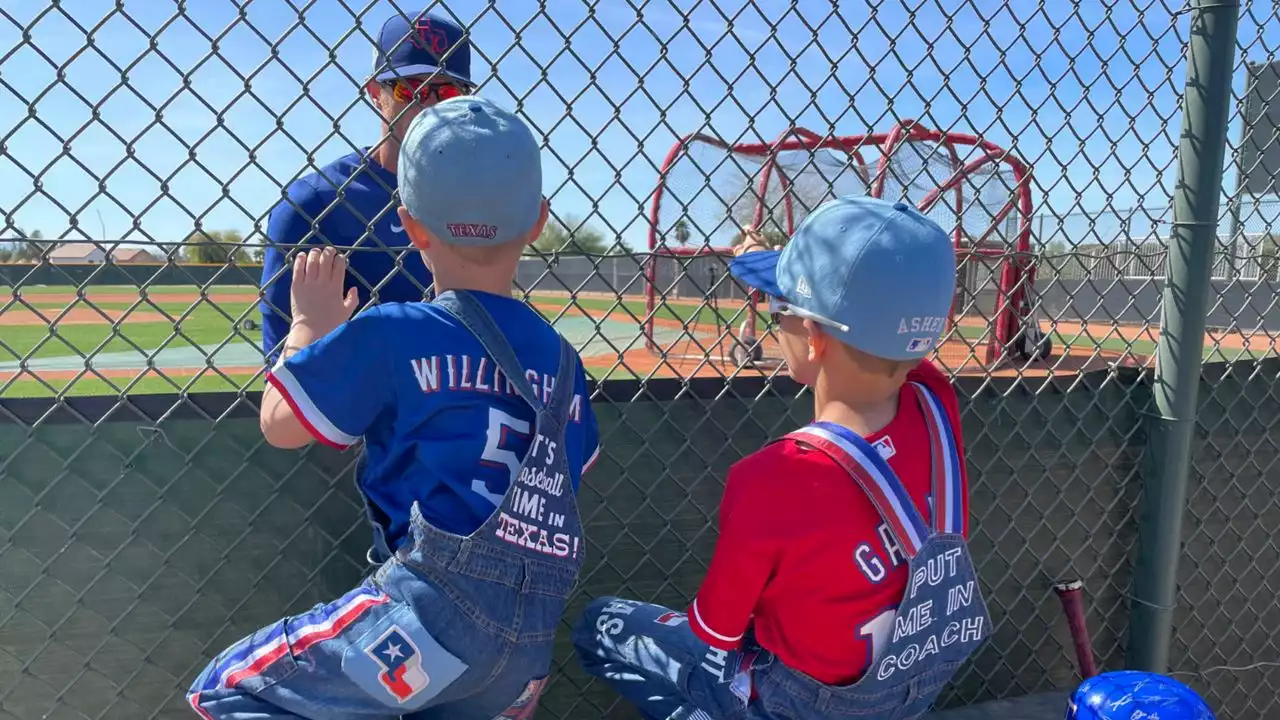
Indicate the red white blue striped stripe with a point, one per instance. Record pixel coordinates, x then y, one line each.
255 654
875 477
948 509
315 421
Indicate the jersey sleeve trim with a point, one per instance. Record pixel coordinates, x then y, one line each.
713 638
595 455
320 427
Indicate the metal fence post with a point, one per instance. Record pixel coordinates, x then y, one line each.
1206 104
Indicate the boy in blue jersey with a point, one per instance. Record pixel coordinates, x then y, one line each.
477 429
419 60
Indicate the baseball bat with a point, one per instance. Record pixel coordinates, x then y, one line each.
1071 594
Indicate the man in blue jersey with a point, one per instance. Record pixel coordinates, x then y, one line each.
477 428
419 60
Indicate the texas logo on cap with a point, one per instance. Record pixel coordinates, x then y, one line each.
432 39
422 45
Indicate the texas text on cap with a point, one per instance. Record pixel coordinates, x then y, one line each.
471 172
878 275
421 44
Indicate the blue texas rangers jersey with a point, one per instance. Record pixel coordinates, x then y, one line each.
441 424
364 217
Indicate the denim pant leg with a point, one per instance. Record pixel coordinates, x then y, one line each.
648 654
365 656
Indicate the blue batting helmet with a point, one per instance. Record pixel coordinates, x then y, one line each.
1128 694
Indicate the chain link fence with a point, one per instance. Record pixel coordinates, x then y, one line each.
144 524
1133 243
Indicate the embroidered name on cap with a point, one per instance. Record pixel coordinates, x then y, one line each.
473 230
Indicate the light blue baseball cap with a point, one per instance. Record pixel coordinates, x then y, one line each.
471 172
877 275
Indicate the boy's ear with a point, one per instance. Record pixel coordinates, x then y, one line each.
819 342
418 234
536 232
374 89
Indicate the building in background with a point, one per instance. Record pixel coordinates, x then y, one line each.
134 255
84 253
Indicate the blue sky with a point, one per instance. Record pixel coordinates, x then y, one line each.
1086 94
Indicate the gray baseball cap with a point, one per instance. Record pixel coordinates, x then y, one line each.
471 172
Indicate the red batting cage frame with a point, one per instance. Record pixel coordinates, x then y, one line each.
708 189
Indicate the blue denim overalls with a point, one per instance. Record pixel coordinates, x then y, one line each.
449 627
651 657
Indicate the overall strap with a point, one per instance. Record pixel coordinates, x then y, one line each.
566 378
864 464
947 484
468 310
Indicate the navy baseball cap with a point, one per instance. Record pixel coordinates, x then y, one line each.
421 45
878 275
471 172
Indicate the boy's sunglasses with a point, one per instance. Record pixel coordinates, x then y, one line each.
779 307
421 89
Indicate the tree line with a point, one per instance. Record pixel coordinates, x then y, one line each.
27 250
210 246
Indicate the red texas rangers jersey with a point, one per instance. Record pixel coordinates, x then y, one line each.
803 550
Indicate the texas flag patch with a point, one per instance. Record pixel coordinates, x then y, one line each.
401 662
672 619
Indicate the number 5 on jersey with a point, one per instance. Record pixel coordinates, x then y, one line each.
504 432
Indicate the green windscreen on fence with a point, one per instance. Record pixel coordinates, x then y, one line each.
134 551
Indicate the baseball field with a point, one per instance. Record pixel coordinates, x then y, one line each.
107 340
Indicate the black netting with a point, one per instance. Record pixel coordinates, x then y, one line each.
711 190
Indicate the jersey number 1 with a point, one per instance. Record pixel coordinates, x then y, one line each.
878 631
500 425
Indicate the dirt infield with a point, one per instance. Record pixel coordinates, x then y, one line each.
81 313
1084 353
19 315
1261 341
166 296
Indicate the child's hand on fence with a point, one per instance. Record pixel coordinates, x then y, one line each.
752 241
319 304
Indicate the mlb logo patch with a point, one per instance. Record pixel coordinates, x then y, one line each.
671 619
885 447
920 344
401 662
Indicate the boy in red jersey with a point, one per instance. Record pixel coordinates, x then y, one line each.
841 584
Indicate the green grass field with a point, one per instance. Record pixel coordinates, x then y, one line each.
206 325
203 326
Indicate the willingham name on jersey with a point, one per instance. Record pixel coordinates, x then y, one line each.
464 372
